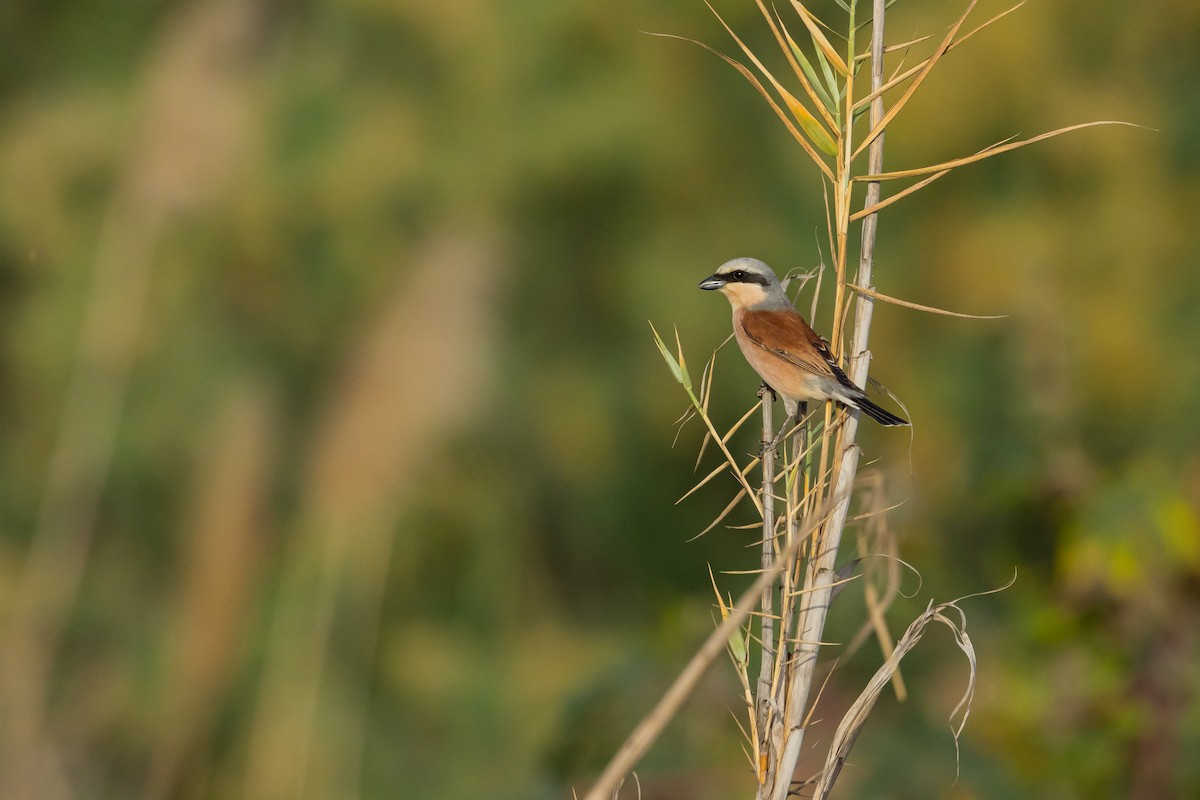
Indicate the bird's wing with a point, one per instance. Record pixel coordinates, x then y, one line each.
785 334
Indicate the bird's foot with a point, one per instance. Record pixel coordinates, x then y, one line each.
779 436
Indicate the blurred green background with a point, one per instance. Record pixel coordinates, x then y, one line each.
337 455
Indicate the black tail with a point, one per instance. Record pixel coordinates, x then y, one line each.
860 400
878 414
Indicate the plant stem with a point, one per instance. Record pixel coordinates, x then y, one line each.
821 574
767 664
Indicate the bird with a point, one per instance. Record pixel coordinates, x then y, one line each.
782 348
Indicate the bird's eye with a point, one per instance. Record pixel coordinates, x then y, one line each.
739 275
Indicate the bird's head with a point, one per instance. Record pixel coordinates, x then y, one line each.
748 283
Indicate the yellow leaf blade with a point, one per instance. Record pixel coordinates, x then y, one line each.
819 39
917 81
898 79
918 307
882 204
808 123
745 72
815 92
991 151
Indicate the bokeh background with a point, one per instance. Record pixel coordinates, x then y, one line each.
338 460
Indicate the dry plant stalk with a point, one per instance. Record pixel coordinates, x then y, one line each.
818 474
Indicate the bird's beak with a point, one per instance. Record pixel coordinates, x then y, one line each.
712 282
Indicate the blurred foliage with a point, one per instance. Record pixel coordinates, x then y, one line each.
337 455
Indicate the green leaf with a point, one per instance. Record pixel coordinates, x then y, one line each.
666 354
809 124
822 43
811 74
830 80
858 112
737 647
685 379
813 130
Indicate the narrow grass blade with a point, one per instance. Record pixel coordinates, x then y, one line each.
918 307
892 48
804 71
817 83
681 374
725 513
672 364
687 378
705 393
703 482
898 79
819 39
989 152
830 82
917 81
855 718
745 72
882 204
877 207
808 123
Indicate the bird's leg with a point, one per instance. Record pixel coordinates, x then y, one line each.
779 435
796 413
801 442
768 396
790 424
793 419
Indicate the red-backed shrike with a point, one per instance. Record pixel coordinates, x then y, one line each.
789 355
